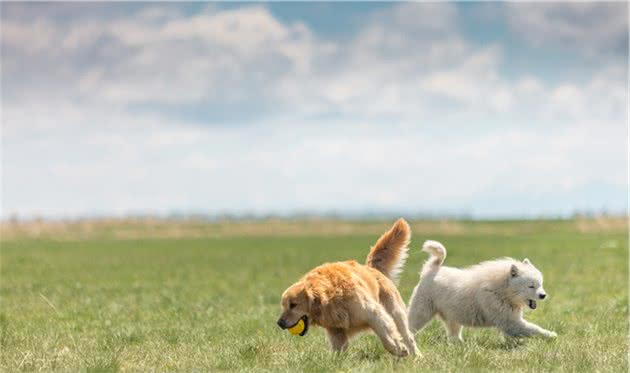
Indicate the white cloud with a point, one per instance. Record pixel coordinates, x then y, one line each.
282 167
591 27
135 112
138 59
405 62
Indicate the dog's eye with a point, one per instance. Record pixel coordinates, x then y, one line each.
532 287
292 305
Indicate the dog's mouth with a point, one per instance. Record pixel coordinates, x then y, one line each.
300 327
532 304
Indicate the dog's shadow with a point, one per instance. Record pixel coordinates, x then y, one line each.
509 344
487 342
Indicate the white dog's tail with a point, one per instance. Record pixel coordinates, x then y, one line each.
390 252
438 254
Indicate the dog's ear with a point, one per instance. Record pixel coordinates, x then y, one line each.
314 303
514 270
526 261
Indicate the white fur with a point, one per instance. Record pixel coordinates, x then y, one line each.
488 294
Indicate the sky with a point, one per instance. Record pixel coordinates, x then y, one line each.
487 110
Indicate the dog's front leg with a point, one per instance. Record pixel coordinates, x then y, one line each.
396 308
338 339
523 328
383 325
538 330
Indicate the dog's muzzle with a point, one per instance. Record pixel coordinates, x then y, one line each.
299 328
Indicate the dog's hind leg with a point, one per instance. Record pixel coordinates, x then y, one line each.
454 331
420 313
384 326
396 308
338 339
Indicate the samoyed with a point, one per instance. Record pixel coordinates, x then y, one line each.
489 294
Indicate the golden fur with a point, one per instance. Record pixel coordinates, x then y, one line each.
347 297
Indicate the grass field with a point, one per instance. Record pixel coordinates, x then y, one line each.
99 301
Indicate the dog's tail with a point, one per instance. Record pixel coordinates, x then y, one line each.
437 252
390 252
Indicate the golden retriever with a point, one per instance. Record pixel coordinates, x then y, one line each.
346 298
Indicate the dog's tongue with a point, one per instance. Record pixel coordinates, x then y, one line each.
532 304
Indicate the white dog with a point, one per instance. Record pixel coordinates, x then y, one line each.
491 293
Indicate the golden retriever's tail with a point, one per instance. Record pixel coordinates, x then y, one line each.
390 252
437 252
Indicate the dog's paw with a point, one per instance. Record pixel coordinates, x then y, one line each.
416 357
402 351
416 354
551 334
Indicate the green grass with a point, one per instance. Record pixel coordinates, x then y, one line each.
210 304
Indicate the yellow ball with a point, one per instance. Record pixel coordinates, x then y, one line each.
297 328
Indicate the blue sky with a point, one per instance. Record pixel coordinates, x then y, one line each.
484 109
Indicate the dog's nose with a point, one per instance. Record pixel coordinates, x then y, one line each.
282 324
542 296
